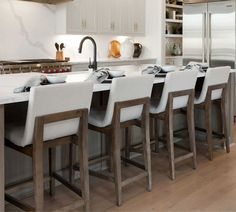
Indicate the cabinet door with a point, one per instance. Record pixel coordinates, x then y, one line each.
88 14
139 9
109 16
74 22
81 16
133 16
127 16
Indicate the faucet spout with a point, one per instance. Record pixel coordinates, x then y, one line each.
94 64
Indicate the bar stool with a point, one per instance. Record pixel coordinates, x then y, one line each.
214 91
128 104
57 115
178 93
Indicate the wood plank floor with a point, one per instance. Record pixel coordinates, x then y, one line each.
212 187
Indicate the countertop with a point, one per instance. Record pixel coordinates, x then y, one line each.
9 82
117 61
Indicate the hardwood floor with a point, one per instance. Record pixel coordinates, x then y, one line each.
211 187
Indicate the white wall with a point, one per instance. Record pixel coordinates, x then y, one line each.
27 30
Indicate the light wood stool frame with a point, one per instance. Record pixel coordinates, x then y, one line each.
168 117
207 107
36 152
114 131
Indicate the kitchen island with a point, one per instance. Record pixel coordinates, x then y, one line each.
9 82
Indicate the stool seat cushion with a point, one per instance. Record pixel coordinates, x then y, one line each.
15 131
175 82
214 76
46 100
123 89
96 117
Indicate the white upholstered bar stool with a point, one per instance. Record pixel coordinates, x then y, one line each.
214 91
57 115
178 93
128 104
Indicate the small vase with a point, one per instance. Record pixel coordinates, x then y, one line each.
127 49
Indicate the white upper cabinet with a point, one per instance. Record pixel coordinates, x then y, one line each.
133 17
109 16
77 17
120 17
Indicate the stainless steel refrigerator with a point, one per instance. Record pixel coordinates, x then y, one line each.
209 32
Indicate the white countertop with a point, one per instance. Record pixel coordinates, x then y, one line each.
113 60
9 82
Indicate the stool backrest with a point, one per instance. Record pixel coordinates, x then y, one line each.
128 88
45 100
214 76
176 81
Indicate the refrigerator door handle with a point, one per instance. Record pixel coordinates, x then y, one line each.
204 36
209 40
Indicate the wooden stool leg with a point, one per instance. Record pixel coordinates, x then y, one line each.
170 142
209 129
117 163
71 163
191 131
83 160
151 124
128 138
38 165
156 131
109 153
224 124
147 150
52 160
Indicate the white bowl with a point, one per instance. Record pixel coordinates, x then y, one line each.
54 79
168 68
116 73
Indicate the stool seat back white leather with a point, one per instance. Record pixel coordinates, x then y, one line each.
175 81
214 76
124 89
45 100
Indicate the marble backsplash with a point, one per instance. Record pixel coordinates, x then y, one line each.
27 30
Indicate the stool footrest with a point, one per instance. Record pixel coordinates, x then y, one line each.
73 206
219 141
101 175
67 184
133 163
220 135
133 179
17 203
184 157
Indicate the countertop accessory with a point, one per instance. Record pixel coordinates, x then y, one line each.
59 53
54 79
33 81
137 50
57 46
116 73
62 46
94 64
158 71
114 49
127 49
99 76
202 67
168 68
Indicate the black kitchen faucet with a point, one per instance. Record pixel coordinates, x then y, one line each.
94 64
